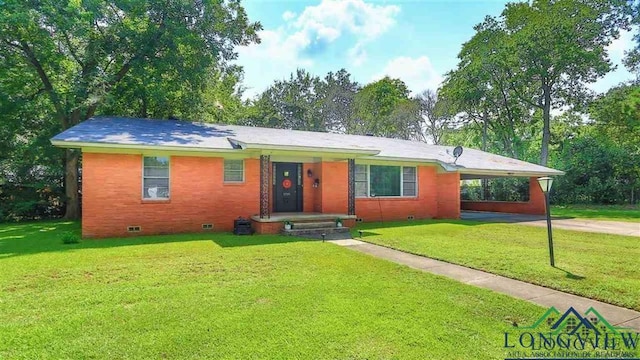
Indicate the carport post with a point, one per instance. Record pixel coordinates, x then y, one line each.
545 185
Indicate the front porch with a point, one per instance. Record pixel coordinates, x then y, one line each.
274 224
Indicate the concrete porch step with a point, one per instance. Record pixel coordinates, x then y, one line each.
314 225
315 231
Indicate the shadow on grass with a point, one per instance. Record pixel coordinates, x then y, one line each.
408 223
44 237
362 234
507 218
570 275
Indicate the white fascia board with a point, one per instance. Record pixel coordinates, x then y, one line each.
446 166
314 149
510 173
82 145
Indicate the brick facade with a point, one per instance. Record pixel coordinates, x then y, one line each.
424 206
112 196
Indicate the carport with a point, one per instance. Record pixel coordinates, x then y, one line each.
499 167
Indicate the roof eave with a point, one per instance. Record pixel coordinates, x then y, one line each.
446 166
257 146
510 173
81 144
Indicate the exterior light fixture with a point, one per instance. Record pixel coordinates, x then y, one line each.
545 185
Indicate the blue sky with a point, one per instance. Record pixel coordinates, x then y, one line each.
416 41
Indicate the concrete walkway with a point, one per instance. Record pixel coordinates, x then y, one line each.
597 226
536 294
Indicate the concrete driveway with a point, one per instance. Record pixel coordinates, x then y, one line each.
596 226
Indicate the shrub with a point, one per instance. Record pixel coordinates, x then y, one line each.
70 238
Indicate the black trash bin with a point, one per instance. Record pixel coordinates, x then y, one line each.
242 226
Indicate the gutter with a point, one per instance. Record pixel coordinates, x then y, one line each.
80 144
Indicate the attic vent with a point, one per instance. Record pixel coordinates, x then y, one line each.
207 226
234 144
133 229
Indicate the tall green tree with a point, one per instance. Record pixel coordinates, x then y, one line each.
437 117
337 94
556 48
480 88
290 104
384 108
81 51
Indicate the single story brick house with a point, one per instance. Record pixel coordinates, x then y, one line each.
166 176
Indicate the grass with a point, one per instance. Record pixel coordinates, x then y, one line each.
629 213
224 296
598 266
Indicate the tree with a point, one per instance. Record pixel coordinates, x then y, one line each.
82 51
377 110
632 56
290 104
480 88
337 94
616 116
436 117
556 47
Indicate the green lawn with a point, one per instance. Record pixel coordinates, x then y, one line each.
222 296
628 213
599 266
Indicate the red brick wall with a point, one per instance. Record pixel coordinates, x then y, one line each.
448 195
534 206
422 207
310 194
317 192
335 187
267 227
112 196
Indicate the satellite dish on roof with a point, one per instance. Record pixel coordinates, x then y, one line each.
457 151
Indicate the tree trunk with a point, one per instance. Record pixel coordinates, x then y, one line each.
485 182
484 130
546 129
71 185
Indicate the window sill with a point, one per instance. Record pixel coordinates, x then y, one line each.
233 183
392 198
155 201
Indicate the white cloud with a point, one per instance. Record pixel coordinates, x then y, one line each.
418 73
295 43
288 15
357 55
274 58
331 17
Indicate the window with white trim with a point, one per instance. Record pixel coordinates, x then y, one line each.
385 181
409 181
233 170
362 180
155 175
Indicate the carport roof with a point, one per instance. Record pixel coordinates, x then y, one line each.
176 135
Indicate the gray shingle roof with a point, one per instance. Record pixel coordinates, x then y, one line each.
130 132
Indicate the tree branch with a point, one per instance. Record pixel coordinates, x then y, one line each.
73 53
46 82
